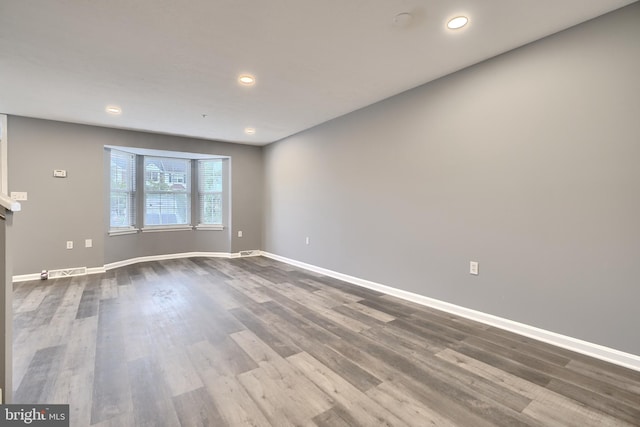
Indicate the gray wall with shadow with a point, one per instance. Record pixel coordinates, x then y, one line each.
527 163
76 208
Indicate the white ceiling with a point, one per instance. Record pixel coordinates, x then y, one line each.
168 62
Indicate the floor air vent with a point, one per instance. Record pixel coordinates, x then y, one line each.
67 272
247 253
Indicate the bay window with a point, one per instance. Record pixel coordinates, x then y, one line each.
165 199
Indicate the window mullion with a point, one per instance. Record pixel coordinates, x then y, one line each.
140 208
195 202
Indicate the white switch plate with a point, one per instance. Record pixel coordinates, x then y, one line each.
473 267
88 243
60 173
69 244
240 233
306 240
19 196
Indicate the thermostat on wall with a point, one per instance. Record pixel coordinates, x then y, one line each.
60 173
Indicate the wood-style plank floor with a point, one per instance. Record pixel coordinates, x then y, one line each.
253 342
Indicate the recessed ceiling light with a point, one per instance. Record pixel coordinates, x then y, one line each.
249 131
457 22
113 109
246 80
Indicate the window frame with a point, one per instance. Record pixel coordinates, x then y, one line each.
130 192
164 177
201 225
193 195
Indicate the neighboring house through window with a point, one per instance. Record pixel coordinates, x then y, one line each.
167 191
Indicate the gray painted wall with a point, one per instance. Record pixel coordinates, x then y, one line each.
527 163
74 208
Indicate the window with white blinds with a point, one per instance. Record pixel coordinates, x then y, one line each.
210 185
167 191
123 190
177 191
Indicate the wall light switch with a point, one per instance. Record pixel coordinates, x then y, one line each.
69 244
88 243
306 240
240 233
473 267
19 196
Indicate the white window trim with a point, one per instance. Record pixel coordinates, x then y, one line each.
128 229
154 229
123 231
210 227
200 194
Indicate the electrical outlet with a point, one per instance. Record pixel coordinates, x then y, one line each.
240 233
306 240
473 267
88 243
69 244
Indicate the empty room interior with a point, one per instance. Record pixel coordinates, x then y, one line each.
321 213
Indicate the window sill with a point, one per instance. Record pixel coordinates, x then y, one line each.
205 227
116 232
167 228
209 227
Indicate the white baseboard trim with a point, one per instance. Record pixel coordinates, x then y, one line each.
165 257
130 261
241 254
36 276
96 270
607 354
26 277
